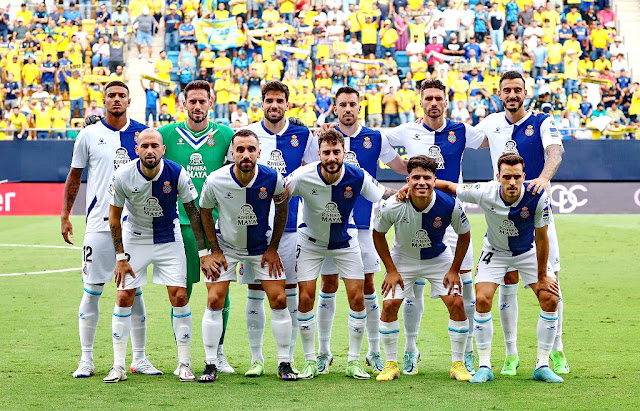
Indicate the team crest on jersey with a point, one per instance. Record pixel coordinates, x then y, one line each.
529 131
508 228
421 239
367 143
121 158
85 269
348 192
351 158
180 142
153 208
437 223
436 154
510 147
524 213
263 193
196 167
211 141
331 213
294 141
167 187
276 162
247 216
135 136
452 137
241 269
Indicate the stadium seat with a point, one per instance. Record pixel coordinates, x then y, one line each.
401 58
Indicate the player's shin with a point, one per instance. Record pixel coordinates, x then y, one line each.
412 315
120 328
88 316
373 322
458 333
357 322
281 328
292 305
547 328
389 333
138 327
326 313
469 300
483 324
307 326
256 320
557 343
182 325
508 303
211 332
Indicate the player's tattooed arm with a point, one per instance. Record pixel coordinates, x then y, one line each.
388 192
196 223
116 228
71 188
551 164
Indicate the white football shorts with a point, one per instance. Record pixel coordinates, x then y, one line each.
168 259
370 259
310 257
98 258
413 270
493 265
287 252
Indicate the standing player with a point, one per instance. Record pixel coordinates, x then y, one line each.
516 217
286 147
150 187
200 146
444 141
535 137
102 148
243 193
363 148
330 190
419 252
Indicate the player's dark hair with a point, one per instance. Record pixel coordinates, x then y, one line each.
510 75
332 137
245 133
509 159
275 86
115 83
423 162
433 83
347 90
198 85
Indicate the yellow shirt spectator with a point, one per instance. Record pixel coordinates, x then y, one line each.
17 121
287 6
460 88
355 22
270 15
43 118
164 68
369 32
76 88
634 108
324 82
571 68
308 116
96 95
59 117
601 65
207 59
30 74
389 38
572 18
417 30
238 7
599 38
584 66
221 14
572 45
182 116
573 104
555 53
221 88
374 103
3 127
406 100
274 67
256 115
268 47
419 70
552 15
26 16
234 92
222 62
170 101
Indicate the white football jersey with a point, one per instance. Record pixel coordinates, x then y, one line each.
152 204
446 145
529 138
327 211
510 227
243 211
420 234
103 150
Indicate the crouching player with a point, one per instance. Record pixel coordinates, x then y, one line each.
150 188
515 219
242 192
419 252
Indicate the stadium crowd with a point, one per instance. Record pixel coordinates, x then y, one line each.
55 60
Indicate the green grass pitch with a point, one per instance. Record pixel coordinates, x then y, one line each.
40 346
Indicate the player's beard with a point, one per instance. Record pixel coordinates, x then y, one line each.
119 112
513 110
274 120
432 114
192 117
150 164
246 166
348 121
326 167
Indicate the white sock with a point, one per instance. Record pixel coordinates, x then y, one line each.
373 322
211 332
547 328
220 346
469 300
483 323
326 312
307 326
281 328
182 325
412 315
357 323
557 344
120 327
458 333
389 333
88 315
138 327
292 305
508 302
256 319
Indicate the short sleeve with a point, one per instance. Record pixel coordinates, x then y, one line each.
186 190
387 152
459 220
208 196
543 215
311 150
80 156
393 136
549 133
474 136
471 193
280 195
116 190
372 190
384 217
292 181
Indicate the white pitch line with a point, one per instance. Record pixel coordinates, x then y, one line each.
4 181
42 246
41 272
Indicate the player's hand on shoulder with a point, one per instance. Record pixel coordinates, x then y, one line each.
419 120
538 184
122 269
296 121
91 120
391 279
272 258
403 193
325 127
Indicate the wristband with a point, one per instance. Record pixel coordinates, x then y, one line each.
203 253
121 256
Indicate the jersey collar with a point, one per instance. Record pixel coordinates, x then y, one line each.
319 169
124 128
437 130
284 129
157 175
253 180
429 207
522 120
356 134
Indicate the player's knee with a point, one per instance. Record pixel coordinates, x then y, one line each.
390 310
278 301
548 301
511 278
483 303
456 305
329 283
125 299
356 301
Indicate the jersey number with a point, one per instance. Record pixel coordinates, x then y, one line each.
86 254
297 252
486 258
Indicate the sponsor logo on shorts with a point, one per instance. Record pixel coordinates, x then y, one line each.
241 270
367 143
276 162
452 137
509 228
167 187
85 269
152 208
247 216
331 213
435 153
421 239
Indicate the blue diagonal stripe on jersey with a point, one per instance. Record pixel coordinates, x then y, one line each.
196 143
91 206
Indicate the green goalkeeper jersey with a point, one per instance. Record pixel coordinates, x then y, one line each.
200 153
